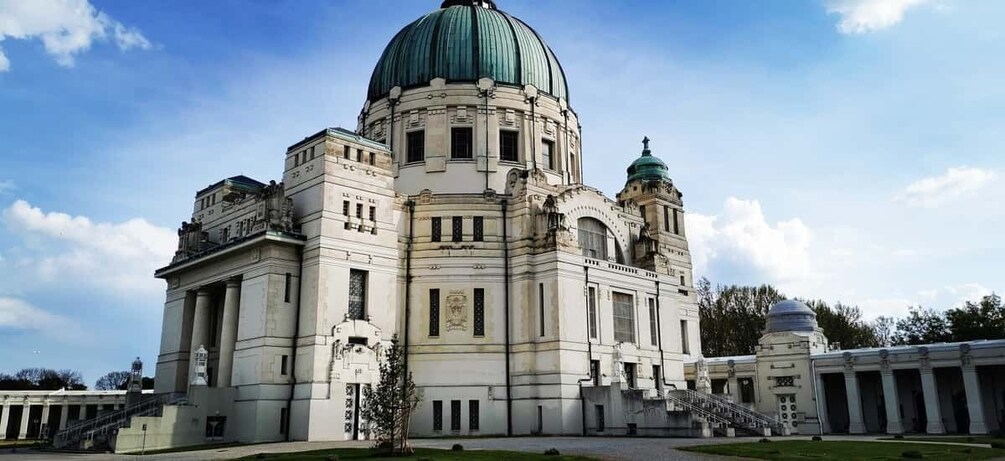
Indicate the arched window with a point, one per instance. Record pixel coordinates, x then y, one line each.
593 238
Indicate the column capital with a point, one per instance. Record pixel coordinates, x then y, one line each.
234 282
202 291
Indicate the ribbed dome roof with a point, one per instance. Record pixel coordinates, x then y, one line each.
791 315
466 40
647 167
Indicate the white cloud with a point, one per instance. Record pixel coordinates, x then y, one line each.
65 27
19 315
947 297
864 16
935 190
7 186
117 257
740 246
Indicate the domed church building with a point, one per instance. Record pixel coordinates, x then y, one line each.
455 220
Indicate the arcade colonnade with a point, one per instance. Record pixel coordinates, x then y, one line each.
933 389
39 414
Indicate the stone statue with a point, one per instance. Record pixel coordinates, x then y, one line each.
618 364
136 376
702 383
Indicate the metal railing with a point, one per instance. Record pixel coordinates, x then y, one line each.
105 423
736 415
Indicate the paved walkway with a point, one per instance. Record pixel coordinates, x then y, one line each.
606 448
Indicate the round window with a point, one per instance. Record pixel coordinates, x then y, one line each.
784 408
785 416
793 407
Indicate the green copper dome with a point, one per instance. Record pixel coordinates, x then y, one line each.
463 41
647 167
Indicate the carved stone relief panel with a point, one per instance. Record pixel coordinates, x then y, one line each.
457 310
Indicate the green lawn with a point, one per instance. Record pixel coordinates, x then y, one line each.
19 443
846 450
985 439
361 454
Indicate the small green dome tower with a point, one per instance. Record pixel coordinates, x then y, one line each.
647 167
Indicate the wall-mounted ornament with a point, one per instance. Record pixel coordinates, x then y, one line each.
457 310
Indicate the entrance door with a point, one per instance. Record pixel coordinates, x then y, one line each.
355 427
787 412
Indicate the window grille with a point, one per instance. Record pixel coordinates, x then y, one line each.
437 415
457 225
436 229
434 312
478 224
455 415
479 314
357 294
473 423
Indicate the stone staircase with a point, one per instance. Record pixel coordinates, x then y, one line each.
97 432
722 414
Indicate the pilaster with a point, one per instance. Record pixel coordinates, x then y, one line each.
23 430
856 423
972 385
894 425
933 412
200 324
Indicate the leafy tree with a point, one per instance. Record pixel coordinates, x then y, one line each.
389 405
113 380
885 328
42 379
732 317
844 324
980 320
922 326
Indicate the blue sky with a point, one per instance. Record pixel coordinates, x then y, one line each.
849 150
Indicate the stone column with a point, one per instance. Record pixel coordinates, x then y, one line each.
855 420
23 430
64 413
200 325
4 418
821 405
228 334
975 404
893 422
45 422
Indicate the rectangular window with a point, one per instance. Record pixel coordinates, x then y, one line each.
478 228
473 423
434 312
457 228
345 152
288 288
357 294
296 159
359 155
653 330
311 150
359 210
283 362
658 378
540 419
373 213
461 145
455 415
437 415
508 145
630 375
345 207
540 304
676 223
373 158
642 212
599 411
416 146
595 372
479 308
624 318
436 229
684 348
666 218
548 154
591 310
282 420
